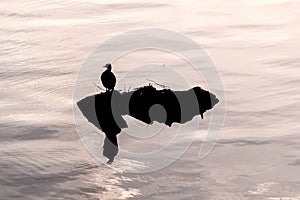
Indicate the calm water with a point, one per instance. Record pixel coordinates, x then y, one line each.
255 46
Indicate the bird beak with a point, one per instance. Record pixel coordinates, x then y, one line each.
104 66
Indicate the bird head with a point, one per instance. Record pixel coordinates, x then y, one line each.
108 66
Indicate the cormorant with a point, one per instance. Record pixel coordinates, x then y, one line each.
108 78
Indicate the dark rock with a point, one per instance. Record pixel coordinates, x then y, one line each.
105 110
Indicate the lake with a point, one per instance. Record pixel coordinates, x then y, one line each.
254 46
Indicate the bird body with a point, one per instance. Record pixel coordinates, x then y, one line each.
108 78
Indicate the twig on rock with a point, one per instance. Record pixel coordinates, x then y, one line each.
156 83
99 87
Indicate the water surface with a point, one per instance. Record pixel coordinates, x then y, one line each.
255 47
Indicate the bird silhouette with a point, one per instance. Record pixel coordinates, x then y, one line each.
108 78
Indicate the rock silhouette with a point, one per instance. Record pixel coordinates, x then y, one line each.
147 104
